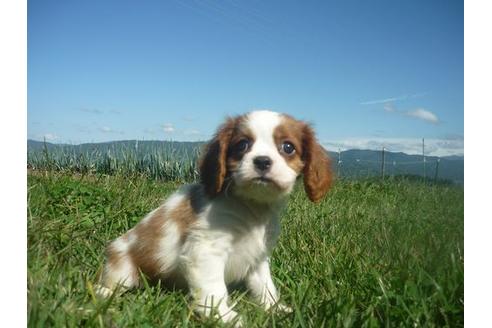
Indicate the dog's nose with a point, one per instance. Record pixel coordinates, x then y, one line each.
262 163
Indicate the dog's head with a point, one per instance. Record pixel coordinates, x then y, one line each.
260 155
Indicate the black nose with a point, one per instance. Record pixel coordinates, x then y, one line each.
262 163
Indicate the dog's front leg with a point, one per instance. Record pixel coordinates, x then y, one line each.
261 286
205 275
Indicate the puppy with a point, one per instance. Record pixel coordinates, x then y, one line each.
222 230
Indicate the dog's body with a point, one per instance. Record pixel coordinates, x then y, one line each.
222 230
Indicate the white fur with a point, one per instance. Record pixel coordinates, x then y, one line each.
262 124
232 237
227 246
172 202
175 199
168 247
124 273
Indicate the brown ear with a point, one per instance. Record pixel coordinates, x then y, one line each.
317 167
213 163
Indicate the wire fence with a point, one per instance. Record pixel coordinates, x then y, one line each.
178 161
390 164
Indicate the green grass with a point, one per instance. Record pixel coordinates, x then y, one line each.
372 254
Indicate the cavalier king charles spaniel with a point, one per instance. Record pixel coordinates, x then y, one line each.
222 230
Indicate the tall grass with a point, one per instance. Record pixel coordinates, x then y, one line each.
165 163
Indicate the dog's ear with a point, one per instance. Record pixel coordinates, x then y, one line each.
317 167
213 163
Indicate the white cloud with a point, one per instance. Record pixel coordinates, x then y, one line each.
433 147
389 107
168 128
424 115
49 136
419 113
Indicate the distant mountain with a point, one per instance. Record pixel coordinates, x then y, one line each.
453 158
353 163
359 163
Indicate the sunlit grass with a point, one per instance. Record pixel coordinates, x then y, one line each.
371 254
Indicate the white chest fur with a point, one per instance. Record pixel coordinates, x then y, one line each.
235 236
246 252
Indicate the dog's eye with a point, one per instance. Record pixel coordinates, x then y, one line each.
288 148
242 145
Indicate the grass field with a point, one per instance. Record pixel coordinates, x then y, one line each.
371 254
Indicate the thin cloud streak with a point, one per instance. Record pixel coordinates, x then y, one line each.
383 101
393 99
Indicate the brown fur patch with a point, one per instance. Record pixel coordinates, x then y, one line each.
310 157
213 163
317 169
235 155
148 234
290 130
186 213
144 251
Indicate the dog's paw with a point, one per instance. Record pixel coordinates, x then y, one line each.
277 307
102 292
284 308
233 318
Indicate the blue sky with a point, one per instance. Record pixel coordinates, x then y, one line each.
367 74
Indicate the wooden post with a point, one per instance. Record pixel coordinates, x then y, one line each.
382 165
339 163
423 155
437 170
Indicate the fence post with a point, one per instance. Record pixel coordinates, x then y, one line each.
339 163
382 165
423 156
437 169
